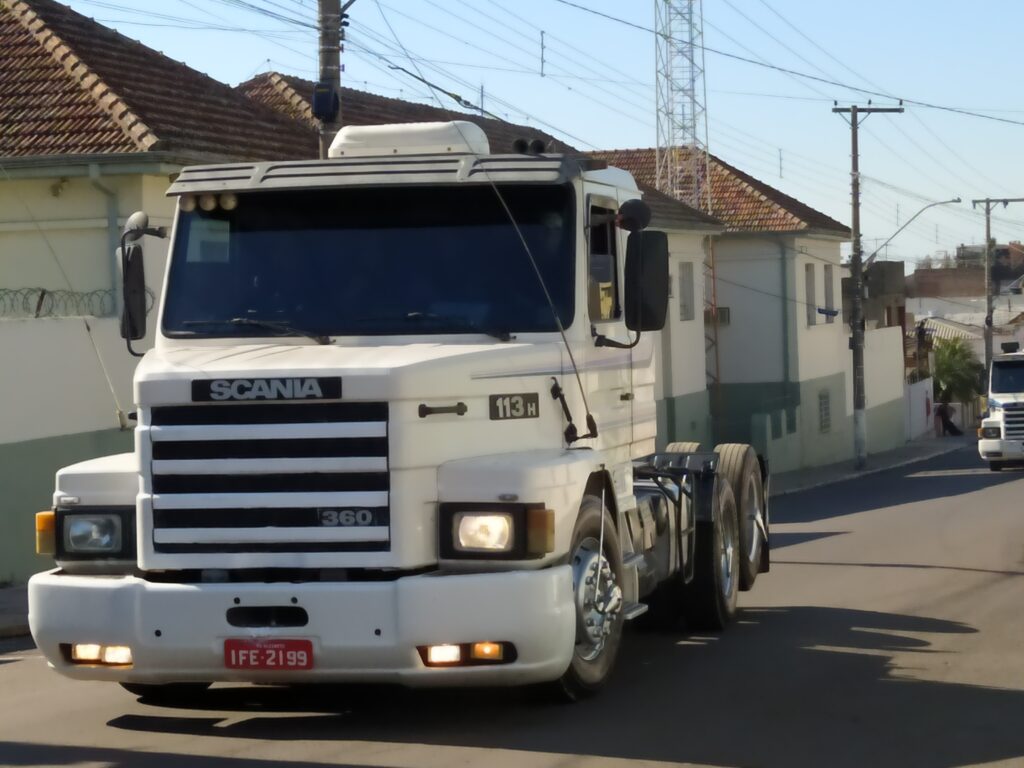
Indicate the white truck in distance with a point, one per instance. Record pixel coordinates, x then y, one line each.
1001 437
398 425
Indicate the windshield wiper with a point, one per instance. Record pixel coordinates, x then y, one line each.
461 324
280 328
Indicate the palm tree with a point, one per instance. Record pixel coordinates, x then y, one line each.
958 373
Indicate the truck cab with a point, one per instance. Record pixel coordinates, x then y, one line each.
389 431
1001 436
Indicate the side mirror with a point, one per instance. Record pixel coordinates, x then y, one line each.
646 281
133 277
634 215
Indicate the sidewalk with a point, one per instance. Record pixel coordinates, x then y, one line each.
918 450
14 600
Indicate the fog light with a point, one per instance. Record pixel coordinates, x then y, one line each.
444 654
117 654
86 652
487 652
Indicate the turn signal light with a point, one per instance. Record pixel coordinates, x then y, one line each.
46 533
487 652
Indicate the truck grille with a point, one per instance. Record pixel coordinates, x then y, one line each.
1013 421
270 477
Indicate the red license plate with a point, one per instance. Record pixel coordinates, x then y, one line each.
267 653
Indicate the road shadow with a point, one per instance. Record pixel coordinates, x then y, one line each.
792 686
13 753
942 477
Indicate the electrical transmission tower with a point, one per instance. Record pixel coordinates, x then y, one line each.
682 154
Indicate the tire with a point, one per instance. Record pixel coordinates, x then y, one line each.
738 464
593 659
711 595
995 466
167 693
683 448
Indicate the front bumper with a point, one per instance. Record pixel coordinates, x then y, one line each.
1001 450
360 631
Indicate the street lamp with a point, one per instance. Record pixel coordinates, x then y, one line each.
871 258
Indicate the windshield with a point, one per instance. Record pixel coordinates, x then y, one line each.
1007 376
358 261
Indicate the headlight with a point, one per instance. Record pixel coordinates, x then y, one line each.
494 531
92 533
990 433
483 531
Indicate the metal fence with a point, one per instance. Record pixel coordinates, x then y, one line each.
42 302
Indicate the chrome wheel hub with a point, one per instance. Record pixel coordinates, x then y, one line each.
598 598
753 519
727 552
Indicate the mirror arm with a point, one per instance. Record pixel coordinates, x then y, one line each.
600 340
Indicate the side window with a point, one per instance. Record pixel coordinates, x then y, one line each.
603 283
830 296
686 311
809 302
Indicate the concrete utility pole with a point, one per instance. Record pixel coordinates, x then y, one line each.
989 203
860 427
327 92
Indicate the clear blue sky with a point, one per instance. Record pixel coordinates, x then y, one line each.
599 85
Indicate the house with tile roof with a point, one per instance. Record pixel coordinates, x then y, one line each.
785 382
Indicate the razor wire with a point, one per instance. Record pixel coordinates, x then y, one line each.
43 302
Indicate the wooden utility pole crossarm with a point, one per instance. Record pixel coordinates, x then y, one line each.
989 203
860 435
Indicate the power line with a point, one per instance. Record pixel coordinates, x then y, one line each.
805 75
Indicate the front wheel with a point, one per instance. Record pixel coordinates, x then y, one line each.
596 560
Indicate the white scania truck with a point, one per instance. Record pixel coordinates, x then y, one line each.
398 425
1001 436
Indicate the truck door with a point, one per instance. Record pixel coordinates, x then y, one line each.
608 369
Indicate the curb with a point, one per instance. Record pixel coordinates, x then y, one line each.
853 474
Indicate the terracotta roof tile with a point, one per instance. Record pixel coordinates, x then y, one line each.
743 203
69 85
290 96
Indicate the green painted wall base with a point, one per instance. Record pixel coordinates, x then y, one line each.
27 472
812 435
684 418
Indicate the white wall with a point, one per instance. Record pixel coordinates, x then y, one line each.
822 348
919 409
51 373
680 356
884 373
749 283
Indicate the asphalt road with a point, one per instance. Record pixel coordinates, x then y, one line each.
888 633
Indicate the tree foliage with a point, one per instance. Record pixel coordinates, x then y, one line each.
958 373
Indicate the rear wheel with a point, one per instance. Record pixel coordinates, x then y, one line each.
737 462
596 561
167 692
711 595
